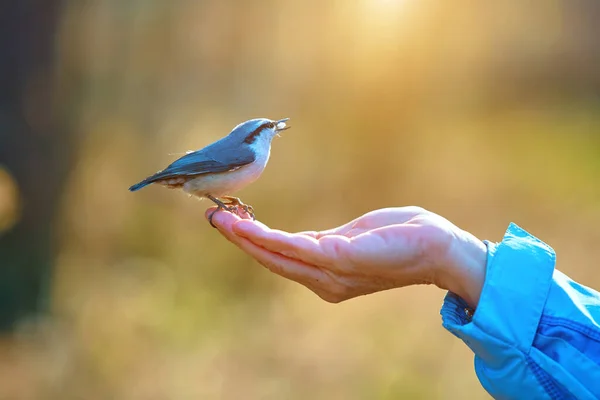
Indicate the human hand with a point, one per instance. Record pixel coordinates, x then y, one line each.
383 249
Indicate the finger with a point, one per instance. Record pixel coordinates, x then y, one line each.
301 247
385 216
240 214
295 270
289 268
339 230
312 234
221 217
371 220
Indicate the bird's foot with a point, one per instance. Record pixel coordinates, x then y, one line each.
232 208
236 202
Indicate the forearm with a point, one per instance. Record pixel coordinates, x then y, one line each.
464 274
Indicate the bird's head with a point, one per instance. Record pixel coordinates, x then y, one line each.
259 129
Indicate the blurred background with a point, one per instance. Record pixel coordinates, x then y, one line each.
483 112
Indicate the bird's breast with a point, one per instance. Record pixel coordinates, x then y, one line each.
226 183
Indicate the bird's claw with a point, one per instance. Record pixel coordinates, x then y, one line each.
248 210
236 202
233 206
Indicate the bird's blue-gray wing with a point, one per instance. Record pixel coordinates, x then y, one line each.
199 162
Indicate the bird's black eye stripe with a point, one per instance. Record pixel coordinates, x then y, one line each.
252 136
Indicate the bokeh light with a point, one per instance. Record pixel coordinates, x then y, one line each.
10 203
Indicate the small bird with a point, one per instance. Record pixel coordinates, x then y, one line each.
223 167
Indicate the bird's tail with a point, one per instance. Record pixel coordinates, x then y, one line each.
139 185
157 177
146 182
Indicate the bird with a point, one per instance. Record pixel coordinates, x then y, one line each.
223 167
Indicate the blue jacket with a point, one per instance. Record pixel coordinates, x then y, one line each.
535 333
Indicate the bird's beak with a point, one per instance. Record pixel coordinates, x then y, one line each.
281 125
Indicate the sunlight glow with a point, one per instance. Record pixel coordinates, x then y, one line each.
386 14
385 6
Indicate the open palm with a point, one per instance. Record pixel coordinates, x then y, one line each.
383 249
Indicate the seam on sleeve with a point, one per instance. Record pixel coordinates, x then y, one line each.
589 331
554 389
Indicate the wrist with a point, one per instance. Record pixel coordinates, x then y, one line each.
464 272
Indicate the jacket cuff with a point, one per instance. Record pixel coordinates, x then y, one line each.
518 279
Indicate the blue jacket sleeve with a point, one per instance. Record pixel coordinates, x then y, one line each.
535 333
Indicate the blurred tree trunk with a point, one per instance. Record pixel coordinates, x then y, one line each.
35 151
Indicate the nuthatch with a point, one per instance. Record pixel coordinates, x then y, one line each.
223 167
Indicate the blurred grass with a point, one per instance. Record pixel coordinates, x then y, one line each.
391 102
